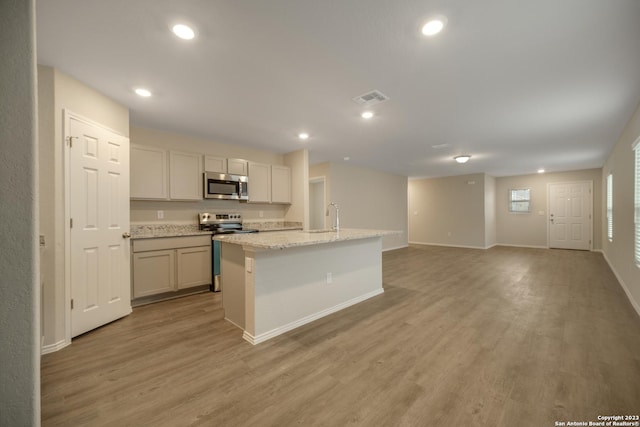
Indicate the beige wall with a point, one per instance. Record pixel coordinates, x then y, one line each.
490 225
298 161
448 211
367 199
145 211
19 302
59 92
620 252
531 229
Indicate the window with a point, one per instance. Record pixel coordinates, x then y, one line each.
610 207
636 148
520 200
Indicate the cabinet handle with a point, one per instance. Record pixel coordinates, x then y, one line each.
126 235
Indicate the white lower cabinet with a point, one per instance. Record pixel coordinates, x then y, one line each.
153 273
194 266
170 264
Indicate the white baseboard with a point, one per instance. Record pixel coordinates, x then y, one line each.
307 319
522 246
395 247
633 302
50 348
448 246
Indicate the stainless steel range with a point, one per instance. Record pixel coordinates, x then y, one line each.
220 223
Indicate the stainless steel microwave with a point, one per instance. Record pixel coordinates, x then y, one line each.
225 186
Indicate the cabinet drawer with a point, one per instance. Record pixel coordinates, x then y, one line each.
162 243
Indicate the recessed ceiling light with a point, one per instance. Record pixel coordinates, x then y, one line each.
462 159
434 26
142 92
541 171
303 135
346 159
367 115
183 31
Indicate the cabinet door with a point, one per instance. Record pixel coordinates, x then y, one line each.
237 167
215 164
148 167
153 273
194 266
185 176
259 183
280 184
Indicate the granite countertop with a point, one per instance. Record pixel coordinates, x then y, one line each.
290 239
271 225
154 231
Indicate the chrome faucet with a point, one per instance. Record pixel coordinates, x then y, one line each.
335 205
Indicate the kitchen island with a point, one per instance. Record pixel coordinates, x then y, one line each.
274 282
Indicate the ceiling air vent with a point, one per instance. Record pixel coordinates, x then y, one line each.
371 98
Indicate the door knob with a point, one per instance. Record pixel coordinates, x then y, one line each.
126 235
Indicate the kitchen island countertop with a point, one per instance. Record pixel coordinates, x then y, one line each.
290 239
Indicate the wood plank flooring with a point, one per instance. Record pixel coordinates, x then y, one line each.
461 337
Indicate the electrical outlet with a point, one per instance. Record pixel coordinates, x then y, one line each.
449 234
160 214
329 278
261 214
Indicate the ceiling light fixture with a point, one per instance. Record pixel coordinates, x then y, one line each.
347 158
183 31
541 170
303 136
142 92
367 115
434 26
462 159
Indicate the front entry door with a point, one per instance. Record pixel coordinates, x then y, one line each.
99 225
570 215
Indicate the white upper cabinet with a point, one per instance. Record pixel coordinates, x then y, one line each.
215 164
280 184
185 176
237 167
148 173
259 183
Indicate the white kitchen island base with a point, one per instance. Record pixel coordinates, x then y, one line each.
269 291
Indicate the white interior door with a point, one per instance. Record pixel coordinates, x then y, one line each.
570 215
99 225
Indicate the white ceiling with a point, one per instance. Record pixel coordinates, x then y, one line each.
518 84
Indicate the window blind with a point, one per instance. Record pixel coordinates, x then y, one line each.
636 148
520 200
610 207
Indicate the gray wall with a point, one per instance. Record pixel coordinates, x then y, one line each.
620 252
19 300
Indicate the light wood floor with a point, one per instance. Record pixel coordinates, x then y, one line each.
461 337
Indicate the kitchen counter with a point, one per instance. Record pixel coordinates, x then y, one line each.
290 239
272 225
268 292
153 231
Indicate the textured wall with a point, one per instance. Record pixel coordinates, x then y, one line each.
19 299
